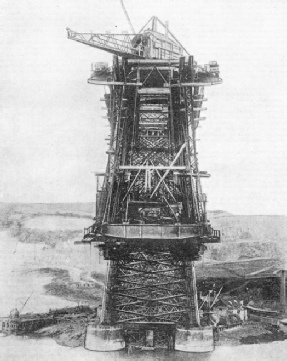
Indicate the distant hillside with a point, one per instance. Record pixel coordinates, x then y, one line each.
46 223
236 228
247 237
80 209
242 237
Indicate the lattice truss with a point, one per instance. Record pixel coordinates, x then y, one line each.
151 182
153 141
152 176
152 287
149 130
191 100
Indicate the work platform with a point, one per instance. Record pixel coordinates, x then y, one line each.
153 231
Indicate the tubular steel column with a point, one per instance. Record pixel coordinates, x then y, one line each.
151 219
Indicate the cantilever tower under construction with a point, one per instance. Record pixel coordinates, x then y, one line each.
150 217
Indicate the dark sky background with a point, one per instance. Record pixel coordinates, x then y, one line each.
52 132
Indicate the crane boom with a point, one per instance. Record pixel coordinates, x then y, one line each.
117 44
26 302
149 44
127 16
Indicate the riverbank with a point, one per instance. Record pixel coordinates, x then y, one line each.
249 333
70 332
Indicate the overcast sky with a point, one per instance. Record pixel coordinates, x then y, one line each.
52 132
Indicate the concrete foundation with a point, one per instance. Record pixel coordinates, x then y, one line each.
194 340
104 338
283 291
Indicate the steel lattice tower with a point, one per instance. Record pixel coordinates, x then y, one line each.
150 212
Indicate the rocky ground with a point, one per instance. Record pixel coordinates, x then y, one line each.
70 333
248 237
249 333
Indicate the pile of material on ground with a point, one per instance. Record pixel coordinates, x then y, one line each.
249 333
70 333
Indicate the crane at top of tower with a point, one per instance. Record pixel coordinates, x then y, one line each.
153 42
149 43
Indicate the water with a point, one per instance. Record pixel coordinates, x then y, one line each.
14 284
20 348
18 282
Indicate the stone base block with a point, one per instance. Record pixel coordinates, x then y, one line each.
194 340
104 338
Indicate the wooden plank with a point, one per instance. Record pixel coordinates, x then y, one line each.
155 124
191 84
161 68
153 62
149 167
154 91
200 100
96 82
199 119
199 109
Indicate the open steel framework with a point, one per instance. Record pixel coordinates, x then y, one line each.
150 212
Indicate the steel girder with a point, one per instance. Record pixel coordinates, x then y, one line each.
152 177
152 287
